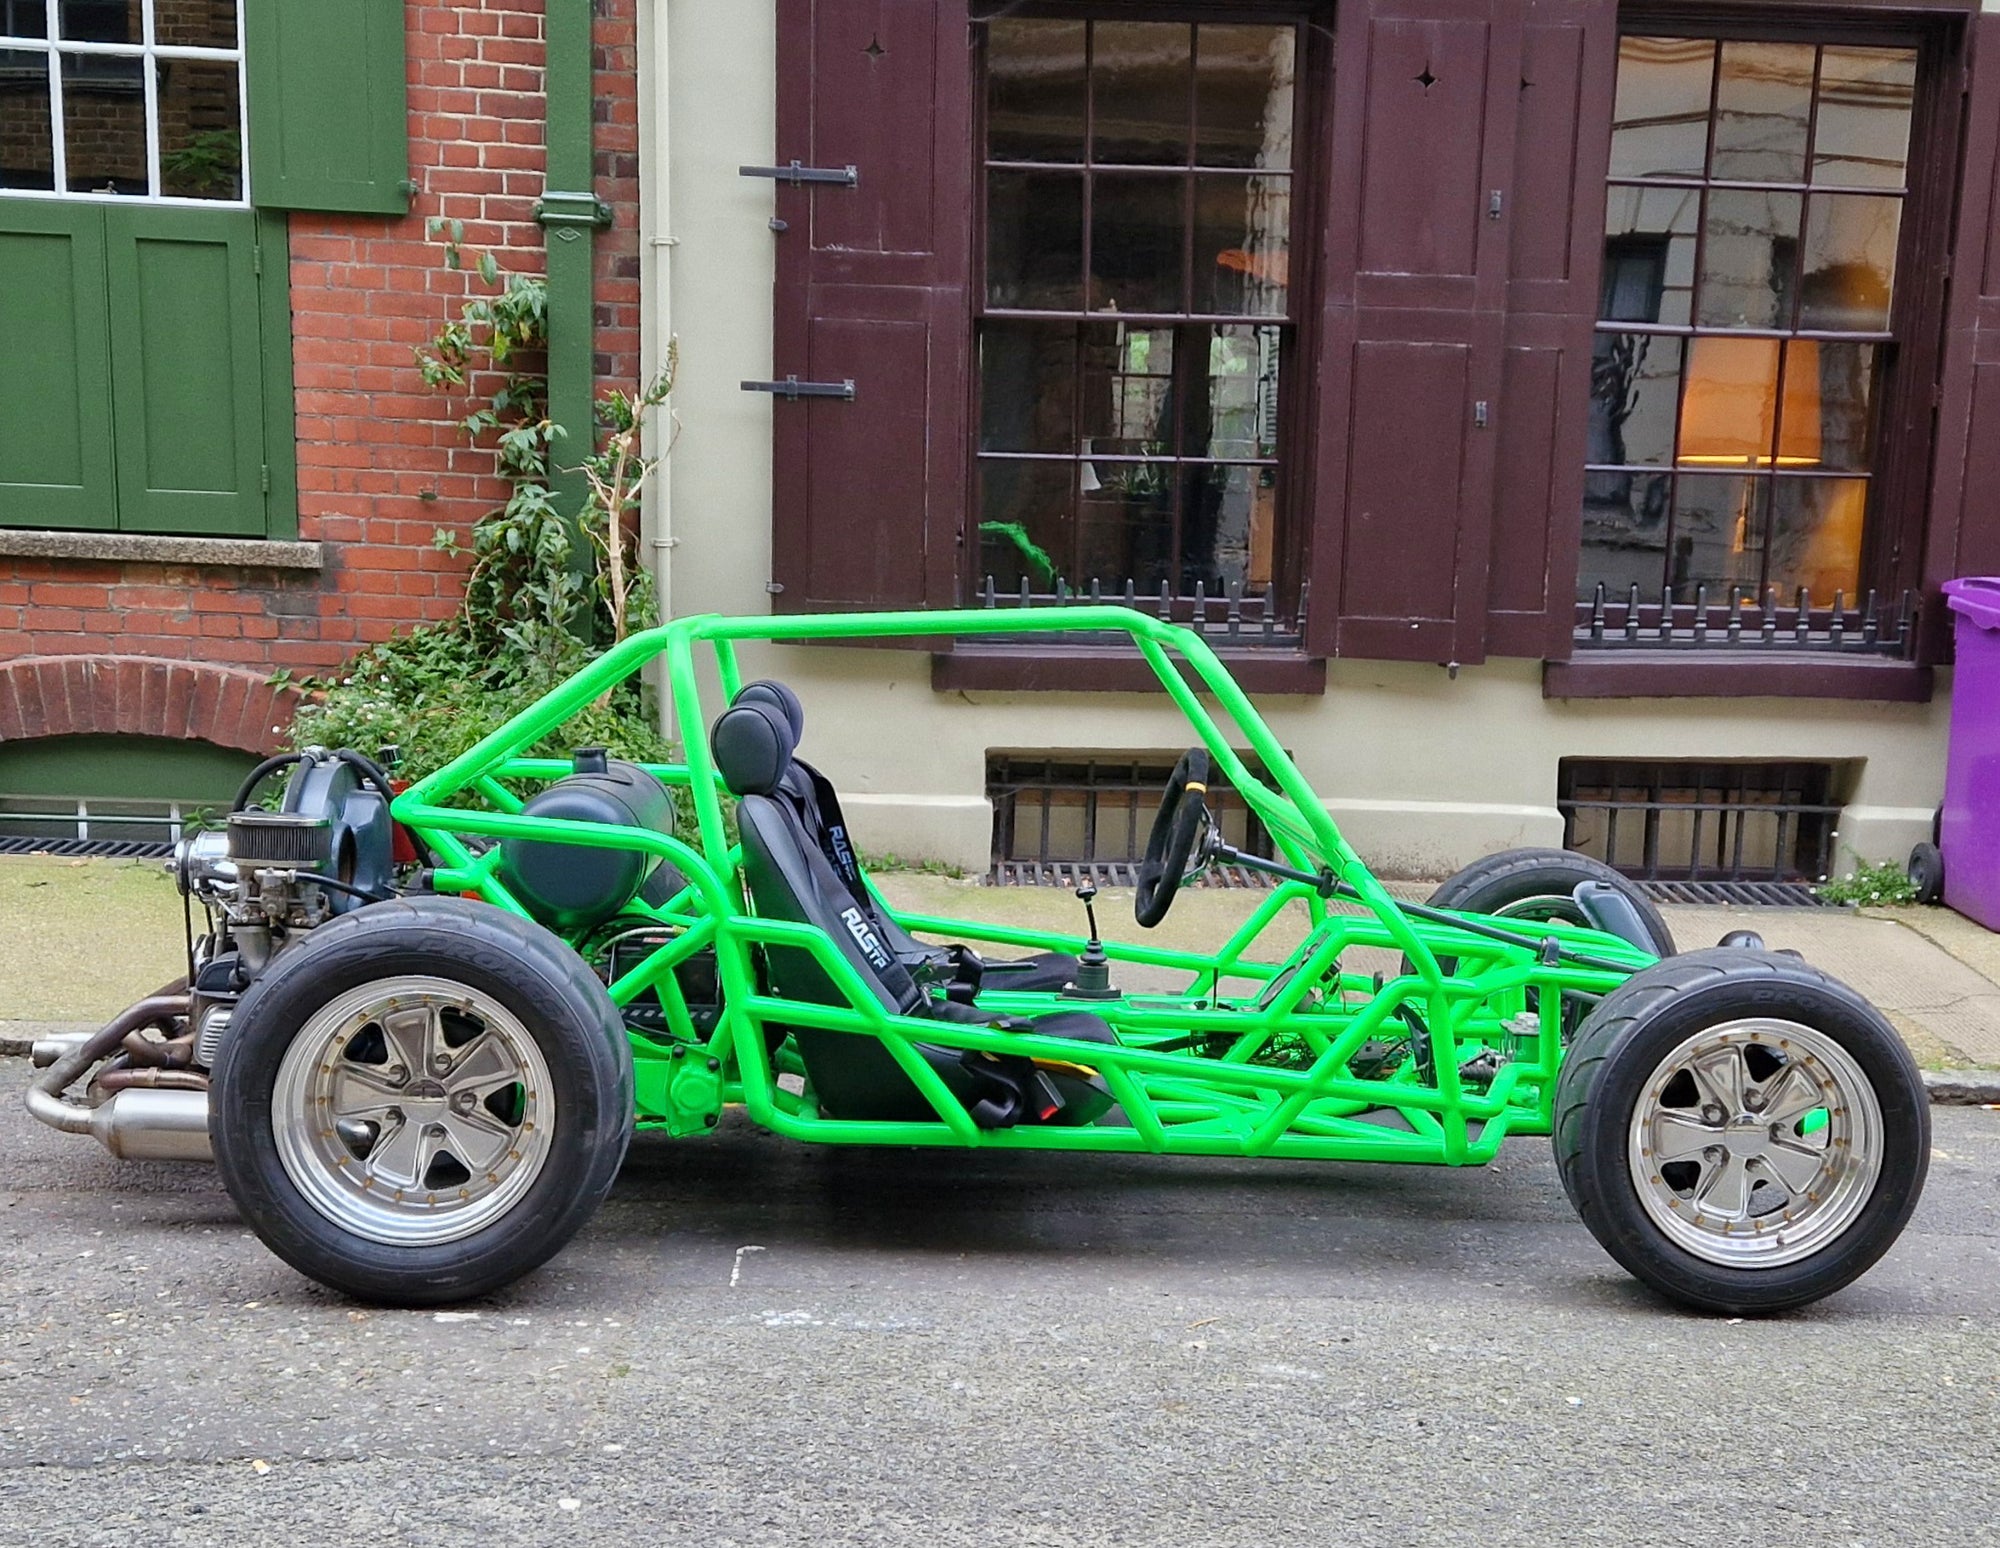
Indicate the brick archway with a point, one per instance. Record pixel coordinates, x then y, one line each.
141 696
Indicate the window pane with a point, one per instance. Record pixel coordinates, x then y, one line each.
1243 97
1729 406
1137 226
1659 127
1140 79
24 19
1125 523
1635 389
1624 532
1027 387
1763 107
1829 404
1034 240
1242 244
27 129
1226 523
1850 262
104 124
1863 134
1649 243
1128 378
1240 416
1034 90
1749 255
201 146
1718 534
195 23
1025 522
102 21
1816 537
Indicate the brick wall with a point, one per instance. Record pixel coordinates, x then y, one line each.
380 465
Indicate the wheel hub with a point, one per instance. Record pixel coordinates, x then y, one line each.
419 1162
1755 1143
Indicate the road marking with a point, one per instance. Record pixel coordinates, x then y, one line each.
736 1268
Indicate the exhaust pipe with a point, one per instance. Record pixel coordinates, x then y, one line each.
140 1125
136 1123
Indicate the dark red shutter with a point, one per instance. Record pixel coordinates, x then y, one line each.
1964 534
1568 77
1413 275
868 494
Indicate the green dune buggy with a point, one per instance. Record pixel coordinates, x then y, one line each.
420 1077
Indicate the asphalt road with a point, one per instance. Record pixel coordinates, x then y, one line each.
758 1342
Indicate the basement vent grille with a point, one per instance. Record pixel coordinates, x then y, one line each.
1702 824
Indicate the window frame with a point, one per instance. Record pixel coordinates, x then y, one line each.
1897 520
1295 514
54 48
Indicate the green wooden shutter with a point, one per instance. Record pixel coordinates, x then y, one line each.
55 389
187 384
328 117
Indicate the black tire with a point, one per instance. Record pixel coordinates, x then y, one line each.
1623 1046
1539 884
558 1005
1926 873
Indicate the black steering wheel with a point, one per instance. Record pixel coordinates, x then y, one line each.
1182 821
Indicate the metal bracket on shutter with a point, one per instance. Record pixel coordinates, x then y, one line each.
559 208
792 388
795 174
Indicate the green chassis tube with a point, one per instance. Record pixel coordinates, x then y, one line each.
1271 1075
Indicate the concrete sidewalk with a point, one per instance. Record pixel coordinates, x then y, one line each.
81 939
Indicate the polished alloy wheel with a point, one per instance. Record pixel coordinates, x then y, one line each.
1755 1143
413 1111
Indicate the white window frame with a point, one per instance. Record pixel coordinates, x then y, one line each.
52 46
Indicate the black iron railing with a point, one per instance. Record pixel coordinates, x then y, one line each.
1053 816
1734 619
1230 618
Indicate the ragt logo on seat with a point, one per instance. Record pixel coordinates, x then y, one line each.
864 937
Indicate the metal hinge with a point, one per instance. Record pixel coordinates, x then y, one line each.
795 174
776 588
791 387
257 259
265 478
1479 414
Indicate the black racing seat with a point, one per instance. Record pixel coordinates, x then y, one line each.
817 804
854 1075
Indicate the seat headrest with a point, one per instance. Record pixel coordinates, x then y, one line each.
752 744
779 697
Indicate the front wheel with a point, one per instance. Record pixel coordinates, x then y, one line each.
422 1101
1739 1130
1540 884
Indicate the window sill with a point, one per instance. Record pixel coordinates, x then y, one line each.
139 548
1738 674
1086 669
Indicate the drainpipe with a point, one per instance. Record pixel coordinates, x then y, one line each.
570 213
656 331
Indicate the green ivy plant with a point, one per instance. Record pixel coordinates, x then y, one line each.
536 607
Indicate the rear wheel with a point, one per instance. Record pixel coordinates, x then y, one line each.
1926 873
1741 1131
424 1101
1540 884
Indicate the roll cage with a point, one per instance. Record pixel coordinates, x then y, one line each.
1262 1052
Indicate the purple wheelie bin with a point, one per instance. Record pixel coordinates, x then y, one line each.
1969 833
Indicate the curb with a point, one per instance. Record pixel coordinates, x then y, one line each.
1963 1088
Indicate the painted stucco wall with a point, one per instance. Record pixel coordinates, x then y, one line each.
1424 772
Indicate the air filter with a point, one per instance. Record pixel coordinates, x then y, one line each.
288 841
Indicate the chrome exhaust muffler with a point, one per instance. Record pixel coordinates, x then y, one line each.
136 1123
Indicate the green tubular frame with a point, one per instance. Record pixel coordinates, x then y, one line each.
1460 995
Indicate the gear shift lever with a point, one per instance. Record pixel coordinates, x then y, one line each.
1093 968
